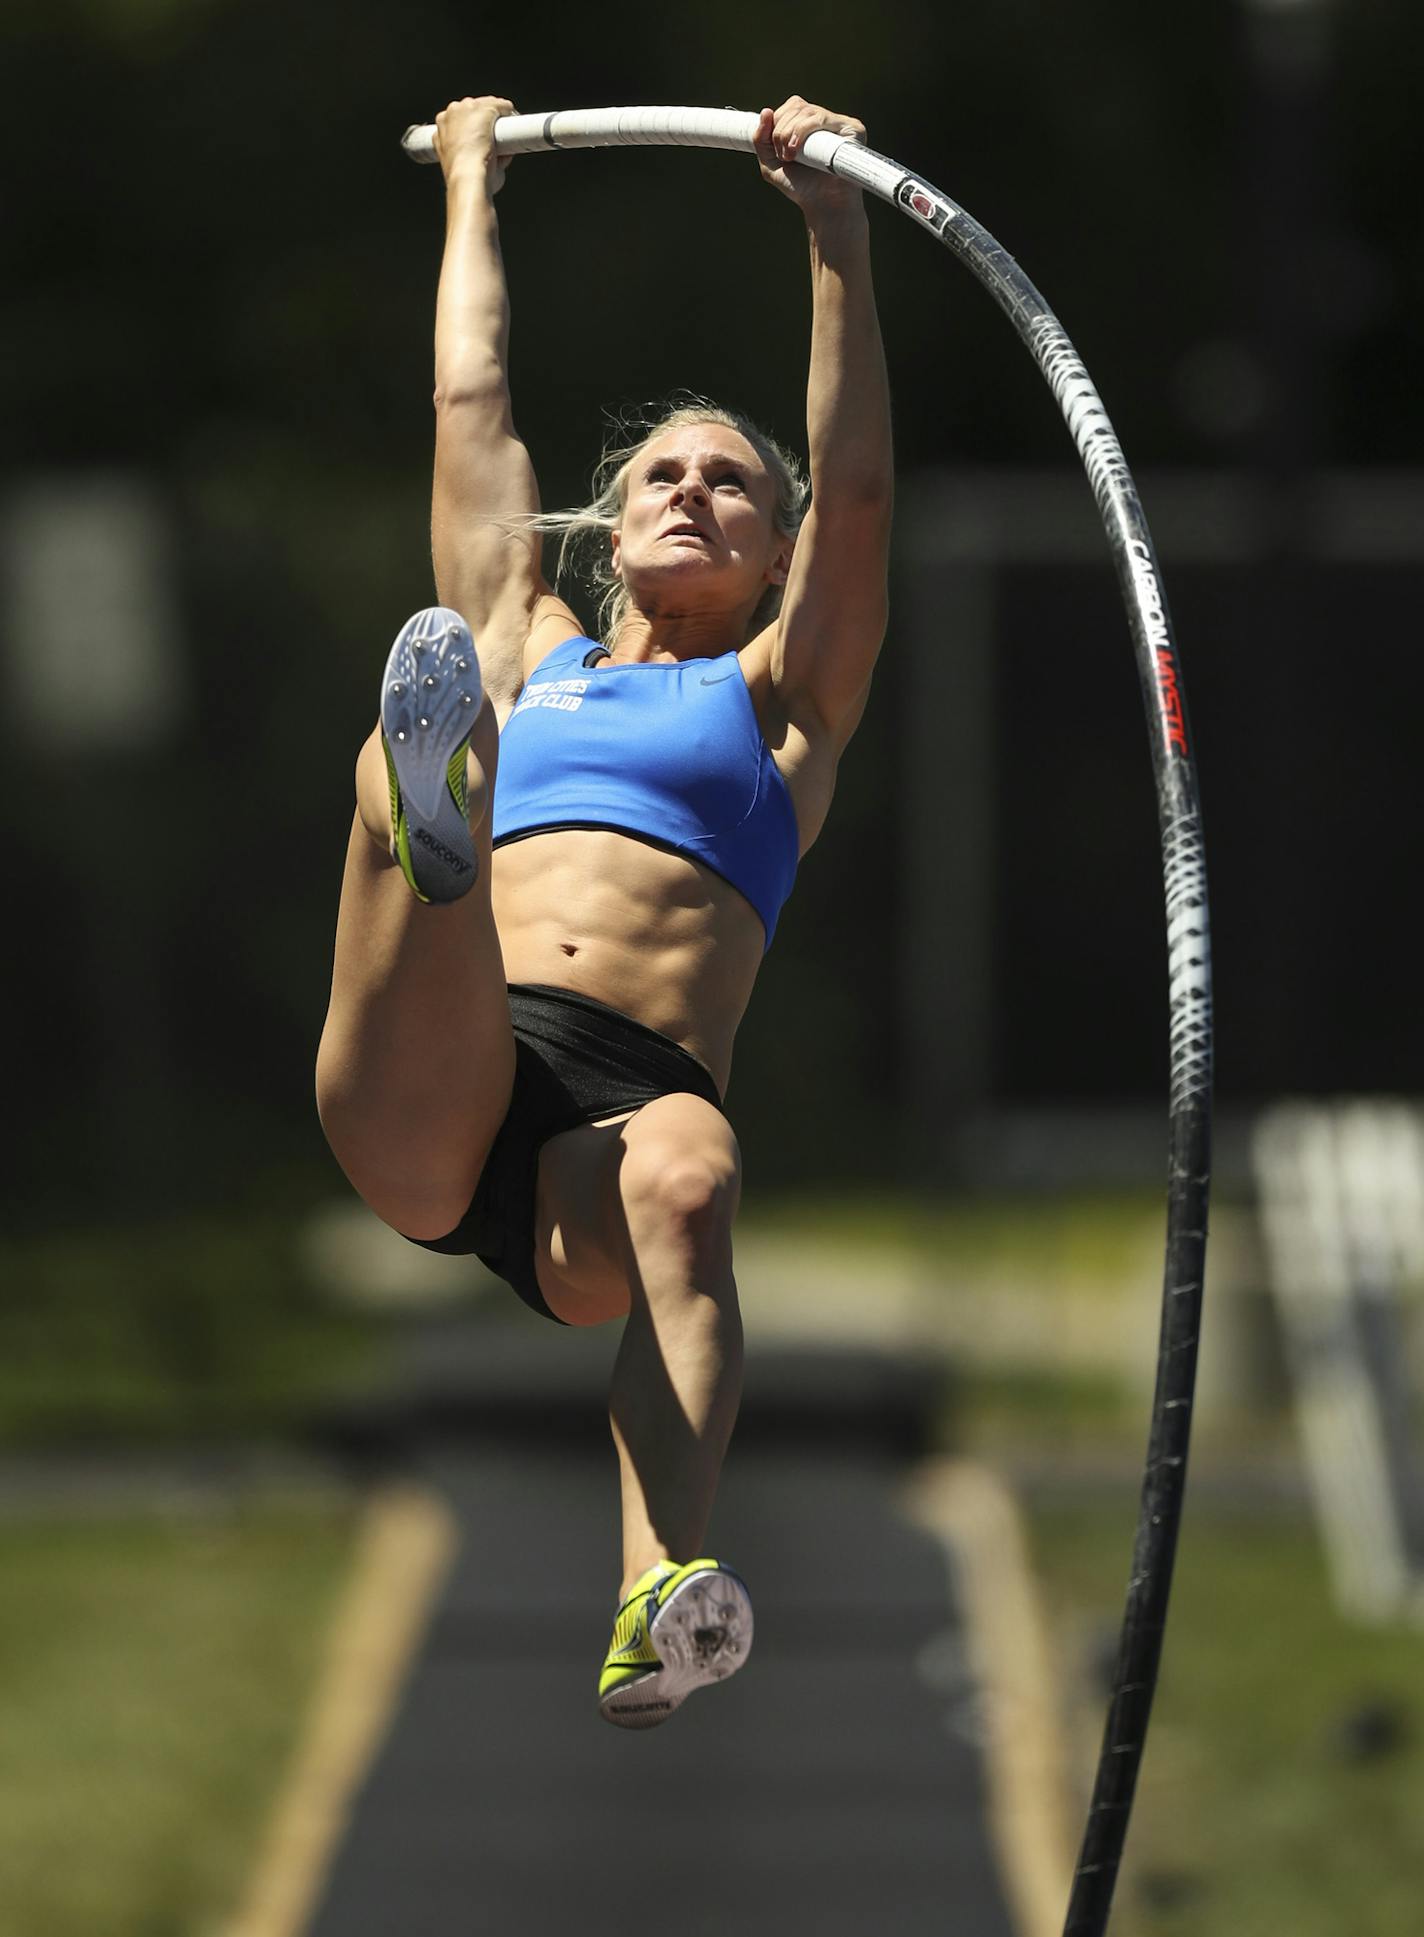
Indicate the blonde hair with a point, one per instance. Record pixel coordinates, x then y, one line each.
585 528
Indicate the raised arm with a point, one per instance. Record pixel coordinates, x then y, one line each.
486 571
833 613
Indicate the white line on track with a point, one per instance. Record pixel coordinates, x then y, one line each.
974 1517
405 1549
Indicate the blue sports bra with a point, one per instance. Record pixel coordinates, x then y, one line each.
669 751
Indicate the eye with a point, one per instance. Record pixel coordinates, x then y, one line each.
658 473
733 477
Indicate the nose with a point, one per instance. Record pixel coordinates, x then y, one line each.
690 486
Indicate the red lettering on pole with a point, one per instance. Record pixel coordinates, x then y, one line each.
1171 696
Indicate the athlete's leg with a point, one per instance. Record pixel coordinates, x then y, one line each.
417 1057
639 1218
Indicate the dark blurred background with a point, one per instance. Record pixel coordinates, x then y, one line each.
221 273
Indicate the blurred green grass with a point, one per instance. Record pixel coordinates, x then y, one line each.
1281 1785
153 1674
1095 1235
202 1328
191 1329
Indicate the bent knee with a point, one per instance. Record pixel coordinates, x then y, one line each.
417 1206
683 1185
420 1192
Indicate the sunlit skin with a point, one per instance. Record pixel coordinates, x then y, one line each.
635 1214
697 546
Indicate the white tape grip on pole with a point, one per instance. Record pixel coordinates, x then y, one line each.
648 127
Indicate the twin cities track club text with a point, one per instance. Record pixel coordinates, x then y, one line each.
564 695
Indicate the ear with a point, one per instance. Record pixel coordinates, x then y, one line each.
779 569
616 550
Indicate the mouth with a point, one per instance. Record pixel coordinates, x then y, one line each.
686 531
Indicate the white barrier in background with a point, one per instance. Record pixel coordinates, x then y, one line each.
1342 1208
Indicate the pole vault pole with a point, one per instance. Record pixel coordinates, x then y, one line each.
1183 866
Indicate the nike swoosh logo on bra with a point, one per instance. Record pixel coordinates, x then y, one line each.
718 681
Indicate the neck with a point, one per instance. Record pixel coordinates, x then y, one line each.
679 635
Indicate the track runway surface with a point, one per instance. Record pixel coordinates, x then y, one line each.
834 1787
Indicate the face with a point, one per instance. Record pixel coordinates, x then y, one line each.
697 527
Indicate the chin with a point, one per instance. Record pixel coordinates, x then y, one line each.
671 571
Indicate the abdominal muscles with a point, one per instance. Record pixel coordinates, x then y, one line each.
657 936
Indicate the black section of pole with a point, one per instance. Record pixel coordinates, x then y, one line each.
1154 1549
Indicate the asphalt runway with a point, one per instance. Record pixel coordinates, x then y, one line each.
830 1787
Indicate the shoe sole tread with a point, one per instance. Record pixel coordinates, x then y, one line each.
433 644
702 1633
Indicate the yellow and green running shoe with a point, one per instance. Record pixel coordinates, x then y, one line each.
679 1629
430 698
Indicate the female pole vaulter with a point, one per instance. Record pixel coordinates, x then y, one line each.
569 854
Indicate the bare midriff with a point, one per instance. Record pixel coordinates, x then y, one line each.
659 937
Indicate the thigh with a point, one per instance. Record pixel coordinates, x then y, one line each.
599 1183
417 1056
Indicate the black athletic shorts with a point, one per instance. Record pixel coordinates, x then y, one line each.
575 1060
